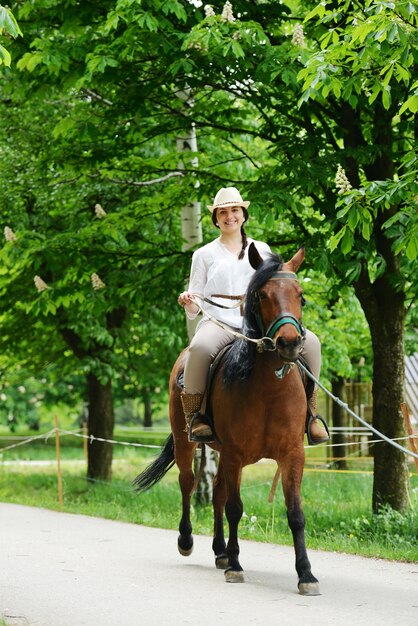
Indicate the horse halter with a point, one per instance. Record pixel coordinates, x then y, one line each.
279 320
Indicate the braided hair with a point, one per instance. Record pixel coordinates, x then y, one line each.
243 233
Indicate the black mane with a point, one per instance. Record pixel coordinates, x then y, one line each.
239 360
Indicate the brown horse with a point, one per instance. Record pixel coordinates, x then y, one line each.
258 403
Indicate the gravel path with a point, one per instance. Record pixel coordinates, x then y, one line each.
58 569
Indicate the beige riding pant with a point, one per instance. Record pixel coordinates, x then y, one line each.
209 339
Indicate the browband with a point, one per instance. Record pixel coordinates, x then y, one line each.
279 275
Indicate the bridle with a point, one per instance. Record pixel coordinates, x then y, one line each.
279 320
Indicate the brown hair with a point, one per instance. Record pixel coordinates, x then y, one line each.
243 233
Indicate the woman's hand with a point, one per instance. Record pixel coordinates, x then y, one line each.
185 300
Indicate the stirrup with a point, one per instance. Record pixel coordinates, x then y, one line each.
313 442
200 438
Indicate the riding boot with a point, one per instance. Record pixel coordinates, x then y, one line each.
196 427
316 427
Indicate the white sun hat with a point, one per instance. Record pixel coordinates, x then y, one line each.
228 196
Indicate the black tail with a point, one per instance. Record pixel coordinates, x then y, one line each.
158 468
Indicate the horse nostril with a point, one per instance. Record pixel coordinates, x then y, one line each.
281 342
284 344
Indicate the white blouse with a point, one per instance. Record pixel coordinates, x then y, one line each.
216 270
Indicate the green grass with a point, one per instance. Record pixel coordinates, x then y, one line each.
337 505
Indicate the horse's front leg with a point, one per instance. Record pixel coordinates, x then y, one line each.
233 509
184 453
219 499
292 470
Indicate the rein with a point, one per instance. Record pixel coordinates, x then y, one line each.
260 343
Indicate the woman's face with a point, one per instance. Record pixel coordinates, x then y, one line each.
230 219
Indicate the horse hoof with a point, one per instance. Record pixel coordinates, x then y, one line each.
309 589
221 562
234 577
185 552
187 548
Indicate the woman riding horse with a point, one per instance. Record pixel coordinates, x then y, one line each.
220 273
258 403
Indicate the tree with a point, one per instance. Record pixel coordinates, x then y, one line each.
356 107
366 62
94 279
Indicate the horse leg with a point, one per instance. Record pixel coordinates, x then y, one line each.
233 509
292 469
184 453
219 498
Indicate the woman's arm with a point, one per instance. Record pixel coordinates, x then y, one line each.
197 283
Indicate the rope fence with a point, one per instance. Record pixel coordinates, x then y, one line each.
91 438
325 463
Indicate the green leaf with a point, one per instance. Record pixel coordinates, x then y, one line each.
335 239
8 22
237 50
377 87
411 104
386 97
318 11
353 218
402 73
412 248
29 61
5 57
347 241
63 127
366 230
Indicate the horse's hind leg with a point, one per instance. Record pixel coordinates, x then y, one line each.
219 499
184 453
292 468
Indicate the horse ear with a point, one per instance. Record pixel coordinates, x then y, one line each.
296 260
254 256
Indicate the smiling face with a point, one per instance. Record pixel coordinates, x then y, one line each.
229 219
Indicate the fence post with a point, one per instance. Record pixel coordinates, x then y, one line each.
84 427
409 430
58 454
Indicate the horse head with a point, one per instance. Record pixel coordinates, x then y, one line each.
277 303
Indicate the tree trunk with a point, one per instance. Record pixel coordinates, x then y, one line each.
204 489
391 476
384 309
100 424
191 228
146 396
339 420
191 225
384 306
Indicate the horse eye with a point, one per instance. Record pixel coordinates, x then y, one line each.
302 300
261 295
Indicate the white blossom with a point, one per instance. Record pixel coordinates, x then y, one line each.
22 389
209 12
227 15
100 212
253 519
3 397
341 181
298 37
40 284
9 234
97 282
